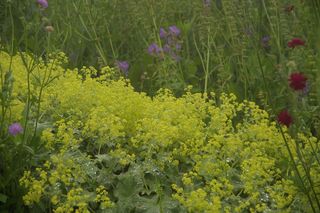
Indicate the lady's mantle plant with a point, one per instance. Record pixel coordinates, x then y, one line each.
112 149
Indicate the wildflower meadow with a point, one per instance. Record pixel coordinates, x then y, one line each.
160 106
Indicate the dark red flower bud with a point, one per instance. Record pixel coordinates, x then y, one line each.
295 42
285 118
297 81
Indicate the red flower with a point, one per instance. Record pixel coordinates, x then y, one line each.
285 118
297 81
296 42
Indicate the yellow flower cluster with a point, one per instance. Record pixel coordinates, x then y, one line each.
36 187
227 156
64 172
39 73
102 197
75 198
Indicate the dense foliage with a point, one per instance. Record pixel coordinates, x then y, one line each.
159 106
117 150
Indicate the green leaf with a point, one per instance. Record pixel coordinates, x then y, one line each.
190 68
103 157
157 205
127 187
43 126
3 198
28 149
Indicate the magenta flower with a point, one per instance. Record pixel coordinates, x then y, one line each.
298 81
15 129
285 118
43 3
296 42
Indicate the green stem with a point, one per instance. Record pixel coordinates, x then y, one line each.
307 172
287 145
28 104
296 168
276 35
93 36
314 153
199 53
207 63
111 44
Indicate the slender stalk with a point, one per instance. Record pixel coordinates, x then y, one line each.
314 153
316 9
2 103
93 36
263 78
307 173
199 53
111 44
276 35
28 104
43 84
5 100
287 145
207 63
296 168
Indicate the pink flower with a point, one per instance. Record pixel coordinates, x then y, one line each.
43 3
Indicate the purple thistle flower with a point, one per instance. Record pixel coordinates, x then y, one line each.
15 129
43 3
174 30
123 66
162 33
154 49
